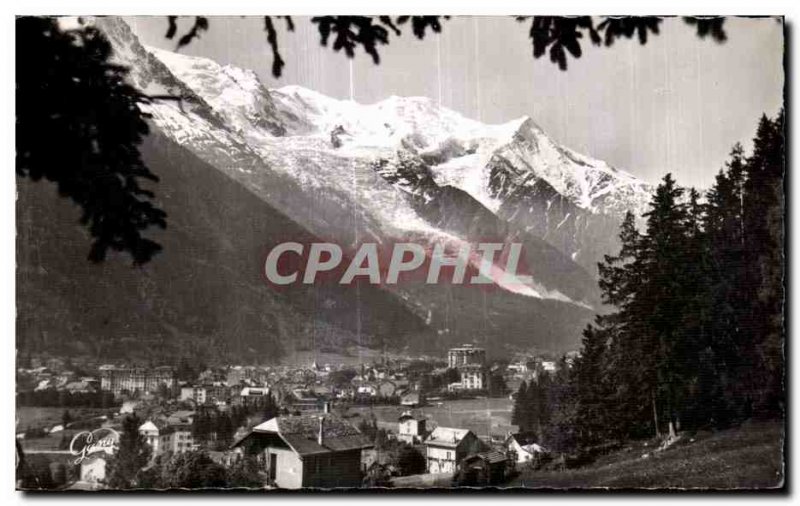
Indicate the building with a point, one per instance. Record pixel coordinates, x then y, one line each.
483 469
93 471
446 447
471 364
549 366
202 394
473 377
523 447
367 390
168 437
152 435
410 429
320 451
465 354
412 400
197 394
80 387
238 375
131 379
253 394
518 367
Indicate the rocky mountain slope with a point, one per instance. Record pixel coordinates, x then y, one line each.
244 167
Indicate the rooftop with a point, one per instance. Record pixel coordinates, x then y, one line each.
301 433
446 436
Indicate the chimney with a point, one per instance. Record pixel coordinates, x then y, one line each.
319 436
326 407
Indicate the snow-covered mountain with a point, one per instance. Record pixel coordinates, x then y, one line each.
403 169
514 169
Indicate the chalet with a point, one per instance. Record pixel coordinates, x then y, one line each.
319 451
483 469
410 429
445 447
523 445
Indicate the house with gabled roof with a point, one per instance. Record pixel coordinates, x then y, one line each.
445 447
524 447
483 469
411 429
173 434
318 451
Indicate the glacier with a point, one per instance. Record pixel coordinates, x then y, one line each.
279 143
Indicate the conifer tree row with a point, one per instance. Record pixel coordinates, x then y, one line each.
694 338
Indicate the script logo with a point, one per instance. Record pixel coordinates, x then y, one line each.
87 443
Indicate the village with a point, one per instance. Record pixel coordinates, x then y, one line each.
395 422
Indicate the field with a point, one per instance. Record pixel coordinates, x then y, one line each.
39 417
482 416
747 457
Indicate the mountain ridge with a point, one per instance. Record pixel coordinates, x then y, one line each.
401 169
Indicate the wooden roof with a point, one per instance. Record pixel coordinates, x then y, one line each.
301 434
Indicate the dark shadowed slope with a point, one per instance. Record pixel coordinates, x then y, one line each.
204 295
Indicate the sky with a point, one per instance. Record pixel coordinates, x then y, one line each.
677 104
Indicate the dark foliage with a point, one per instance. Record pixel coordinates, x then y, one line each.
62 399
696 339
272 40
79 125
410 461
124 470
244 473
557 35
562 35
69 93
709 26
218 428
187 470
200 25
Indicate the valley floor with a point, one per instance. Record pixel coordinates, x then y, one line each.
746 457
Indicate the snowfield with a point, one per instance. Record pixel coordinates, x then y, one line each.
316 158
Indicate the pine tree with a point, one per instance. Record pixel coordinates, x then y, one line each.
764 239
560 426
591 385
631 388
661 301
519 413
729 327
533 405
695 337
694 352
133 455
